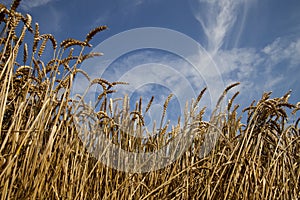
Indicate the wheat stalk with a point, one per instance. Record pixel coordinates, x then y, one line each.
72 42
51 38
25 53
93 32
165 109
15 5
36 38
149 104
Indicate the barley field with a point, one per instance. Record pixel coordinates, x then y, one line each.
43 157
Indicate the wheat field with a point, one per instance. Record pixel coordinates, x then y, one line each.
43 157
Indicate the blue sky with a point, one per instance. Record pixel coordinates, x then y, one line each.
254 42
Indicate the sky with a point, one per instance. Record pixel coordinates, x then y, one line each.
182 46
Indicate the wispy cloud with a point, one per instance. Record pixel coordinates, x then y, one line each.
281 49
217 19
27 5
258 70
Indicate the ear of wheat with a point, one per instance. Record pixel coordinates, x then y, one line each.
93 32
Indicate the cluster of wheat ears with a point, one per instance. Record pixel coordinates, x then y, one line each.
43 157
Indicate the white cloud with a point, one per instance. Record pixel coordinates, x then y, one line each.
282 49
258 70
27 5
217 18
